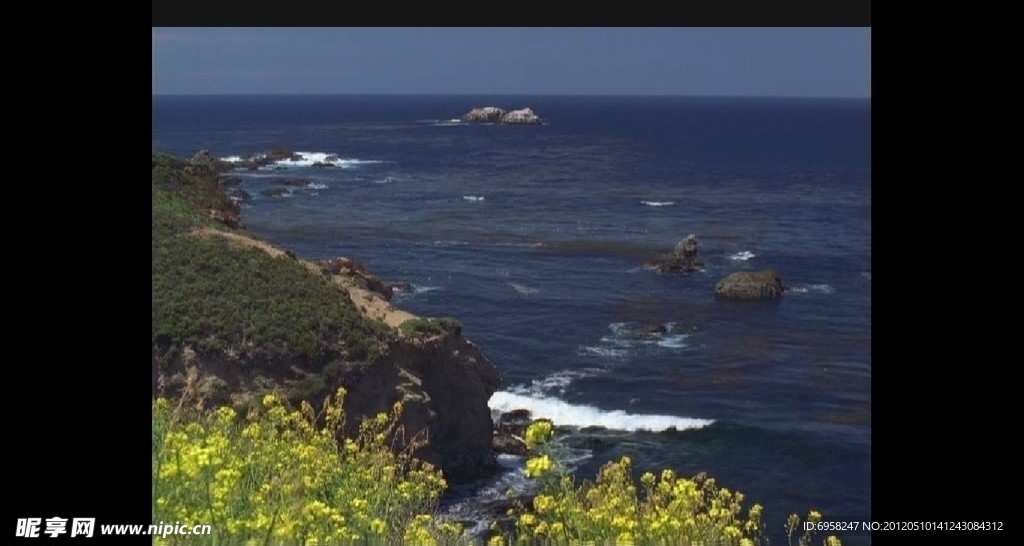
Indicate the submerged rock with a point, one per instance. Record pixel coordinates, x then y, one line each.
299 182
756 285
274 192
652 331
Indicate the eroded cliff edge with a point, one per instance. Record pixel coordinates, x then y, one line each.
235 317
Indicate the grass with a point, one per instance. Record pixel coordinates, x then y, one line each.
216 296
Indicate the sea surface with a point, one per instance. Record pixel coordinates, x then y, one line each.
534 237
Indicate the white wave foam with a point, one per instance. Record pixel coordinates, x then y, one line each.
566 414
520 245
817 288
473 197
232 159
609 352
385 180
742 256
423 289
673 342
449 243
658 203
308 159
523 289
619 328
352 163
315 186
557 381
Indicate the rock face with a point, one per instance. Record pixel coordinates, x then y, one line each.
524 116
509 444
400 286
493 114
682 259
356 270
444 384
487 114
202 175
203 157
756 285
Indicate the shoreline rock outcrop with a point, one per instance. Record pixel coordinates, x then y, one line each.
747 285
444 383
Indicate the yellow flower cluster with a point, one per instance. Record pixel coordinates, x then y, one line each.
538 466
611 510
538 433
277 477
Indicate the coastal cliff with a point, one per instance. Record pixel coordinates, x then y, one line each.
235 317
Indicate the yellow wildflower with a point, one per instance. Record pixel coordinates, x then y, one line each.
538 466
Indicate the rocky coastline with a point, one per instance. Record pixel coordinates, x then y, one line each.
380 354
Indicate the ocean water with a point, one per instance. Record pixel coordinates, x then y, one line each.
534 238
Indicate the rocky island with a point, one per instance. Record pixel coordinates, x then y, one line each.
493 114
235 317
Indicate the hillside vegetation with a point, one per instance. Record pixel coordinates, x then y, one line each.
211 293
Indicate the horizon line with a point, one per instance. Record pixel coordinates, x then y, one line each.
477 94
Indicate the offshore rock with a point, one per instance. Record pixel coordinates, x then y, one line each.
757 285
493 114
487 114
682 259
525 116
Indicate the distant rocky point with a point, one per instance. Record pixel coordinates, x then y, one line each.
493 114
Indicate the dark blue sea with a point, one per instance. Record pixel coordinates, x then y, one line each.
534 237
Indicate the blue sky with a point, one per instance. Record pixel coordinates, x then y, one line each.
802 62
